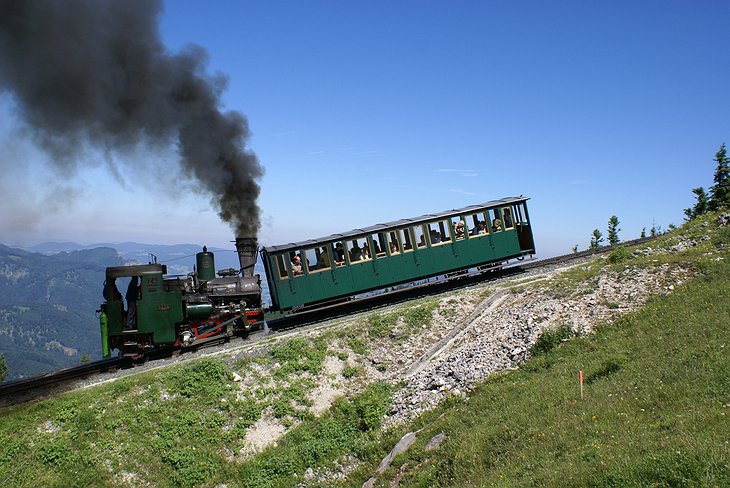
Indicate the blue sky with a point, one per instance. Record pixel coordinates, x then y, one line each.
369 112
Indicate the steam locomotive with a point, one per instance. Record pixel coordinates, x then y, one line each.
180 311
305 276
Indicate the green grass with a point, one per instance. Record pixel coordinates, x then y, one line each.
413 316
349 427
655 413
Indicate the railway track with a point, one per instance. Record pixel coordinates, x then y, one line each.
23 390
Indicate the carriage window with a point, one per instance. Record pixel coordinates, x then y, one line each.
507 220
310 258
420 233
438 232
521 214
459 227
477 224
405 238
359 250
317 258
339 254
281 266
393 244
519 218
496 221
379 244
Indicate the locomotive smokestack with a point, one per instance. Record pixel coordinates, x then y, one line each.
246 247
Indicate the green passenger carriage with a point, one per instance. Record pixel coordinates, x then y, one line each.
341 265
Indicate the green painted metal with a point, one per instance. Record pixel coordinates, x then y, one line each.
199 311
158 310
115 317
105 352
206 265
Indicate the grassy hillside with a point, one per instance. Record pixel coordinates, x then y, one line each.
657 398
655 413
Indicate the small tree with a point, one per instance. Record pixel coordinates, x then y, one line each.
700 207
3 368
613 230
653 231
643 232
720 191
596 239
575 249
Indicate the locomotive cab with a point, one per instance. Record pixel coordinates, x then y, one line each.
146 314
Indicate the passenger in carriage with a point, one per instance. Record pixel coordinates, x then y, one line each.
366 251
296 265
324 259
459 230
435 237
496 225
507 219
481 228
376 246
339 254
355 252
394 248
422 240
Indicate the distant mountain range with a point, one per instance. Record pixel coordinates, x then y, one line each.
49 295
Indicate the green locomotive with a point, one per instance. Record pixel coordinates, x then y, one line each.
180 311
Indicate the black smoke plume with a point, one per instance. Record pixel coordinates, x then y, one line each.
94 73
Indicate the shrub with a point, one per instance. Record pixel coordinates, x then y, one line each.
371 405
204 380
610 366
380 325
551 338
350 371
619 254
358 346
420 315
299 355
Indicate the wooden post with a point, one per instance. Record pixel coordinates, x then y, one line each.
581 384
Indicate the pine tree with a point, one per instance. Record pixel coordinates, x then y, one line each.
3 368
700 207
720 191
596 239
613 230
575 249
643 232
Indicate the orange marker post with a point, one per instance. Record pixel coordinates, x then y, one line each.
581 384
